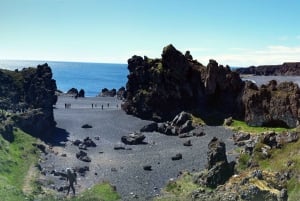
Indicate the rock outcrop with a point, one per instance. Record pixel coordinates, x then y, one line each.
218 168
158 89
29 95
108 93
288 68
272 105
75 93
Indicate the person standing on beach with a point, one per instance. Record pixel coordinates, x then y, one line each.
71 178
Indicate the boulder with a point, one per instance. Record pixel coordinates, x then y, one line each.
241 136
152 127
86 126
181 119
216 153
89 142
147 167
187 143
40 147
6 131
177 157
81 155
82 170
218 168
186 127
133 139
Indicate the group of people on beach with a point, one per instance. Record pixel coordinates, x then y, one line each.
68 105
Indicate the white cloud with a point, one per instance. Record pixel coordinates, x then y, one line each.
268 55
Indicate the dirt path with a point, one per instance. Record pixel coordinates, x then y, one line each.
30 177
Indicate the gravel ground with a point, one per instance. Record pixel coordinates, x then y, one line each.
122 168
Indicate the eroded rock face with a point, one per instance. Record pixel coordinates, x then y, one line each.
159 89
30 95
272 105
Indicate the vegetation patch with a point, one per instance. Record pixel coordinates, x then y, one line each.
15 160
180 189
197 120
99 192
243 127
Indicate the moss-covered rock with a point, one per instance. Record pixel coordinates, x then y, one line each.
29 95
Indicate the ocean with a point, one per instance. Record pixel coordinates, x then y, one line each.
92 77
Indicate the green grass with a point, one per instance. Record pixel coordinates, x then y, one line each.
242 126
15 160
99 192
197 120
278 162
243 161
180 189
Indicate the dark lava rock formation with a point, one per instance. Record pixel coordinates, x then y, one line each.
74 92
272 104
218 168
159 89
29 95
288 68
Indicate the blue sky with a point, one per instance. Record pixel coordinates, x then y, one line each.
234 32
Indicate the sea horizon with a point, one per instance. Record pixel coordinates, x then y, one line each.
89 76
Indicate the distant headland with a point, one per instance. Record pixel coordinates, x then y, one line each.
287 68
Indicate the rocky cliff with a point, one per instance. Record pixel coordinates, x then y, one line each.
28 96
272 105
288 68
159 89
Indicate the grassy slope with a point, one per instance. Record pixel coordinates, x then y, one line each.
15 160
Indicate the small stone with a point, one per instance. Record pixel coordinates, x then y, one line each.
147 167
86 126
177 157
187 143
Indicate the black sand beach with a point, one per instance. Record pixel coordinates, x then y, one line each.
122 168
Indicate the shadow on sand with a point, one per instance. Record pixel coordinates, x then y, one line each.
59 137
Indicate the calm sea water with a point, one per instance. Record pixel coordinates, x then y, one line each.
92 77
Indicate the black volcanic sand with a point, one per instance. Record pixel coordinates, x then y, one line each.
122 168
